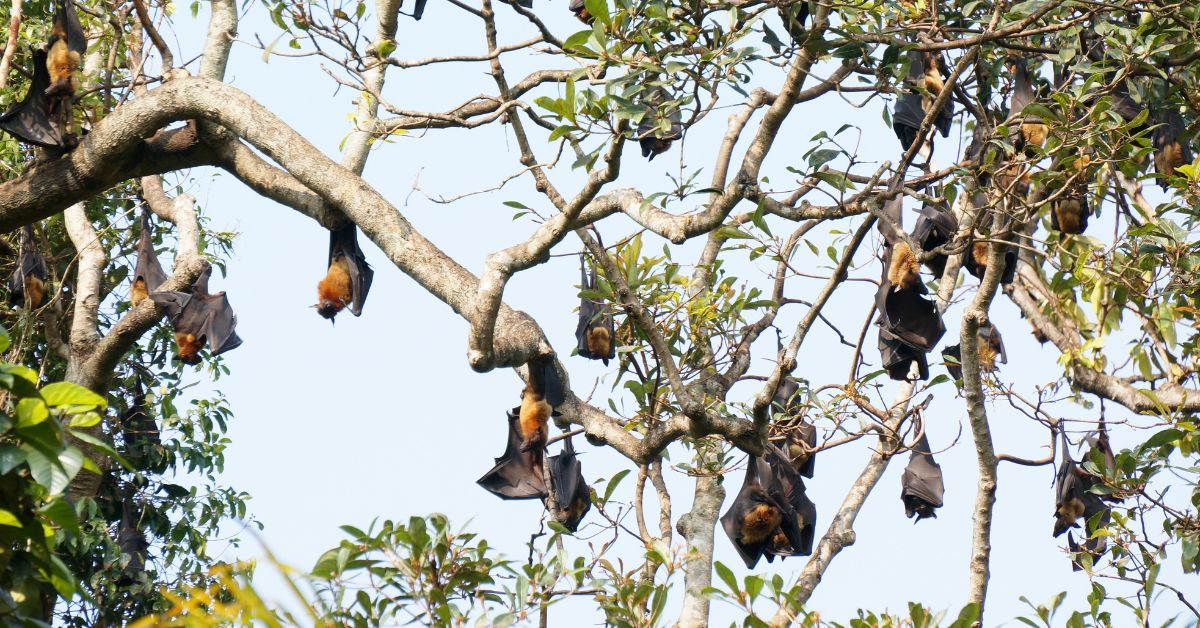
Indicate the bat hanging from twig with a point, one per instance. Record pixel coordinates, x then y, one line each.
200 319
349 277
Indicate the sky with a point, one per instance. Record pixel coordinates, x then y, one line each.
381 416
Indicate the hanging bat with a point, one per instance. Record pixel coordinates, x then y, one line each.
924 85
991 348
1170 150
1069 212
572 497
798 436
518 473
921 487
1100 452
148 273
898 357
67 46
1073 500
143 442
935 227
349 277
543 392
1032 131
200 319
29 121
653 138
904 311
759 511
581 13
976 261
27 287
952 358
800 509
132 543
908 315
595 333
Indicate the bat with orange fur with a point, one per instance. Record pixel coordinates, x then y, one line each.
518 473
595 333
148 273
28 285
200 319
543 391
760 511
572 497
349 277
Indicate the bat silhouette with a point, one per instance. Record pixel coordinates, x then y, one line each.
798 437
1073 501
922 86
132 543
580 10
976 261
904 311
27 286
200 319
653 138
898 357
1031 131
760 511
148 273
1100 453
572 497
518 473
990 350
921 487
595 335
543 392
935 227
1170 150
349 277
29 121
800 509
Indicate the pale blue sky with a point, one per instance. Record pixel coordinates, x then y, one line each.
380 416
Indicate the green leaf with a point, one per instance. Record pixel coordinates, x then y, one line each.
9 519
68 394
61 512
103 446
612 484
31 411
726 576
10 457
1169 435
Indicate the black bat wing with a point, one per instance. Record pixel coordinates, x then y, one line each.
952 358
593 314
148 268
752 494
989 334
784 400
517 474
806 433
418 9
910 316
921 484
787 490
67 17
571 493
906 118
894 208
216 320
28 121
898 356
547 381
344 243
934 228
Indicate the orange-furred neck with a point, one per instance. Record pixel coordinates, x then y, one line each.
760 522
1068 213
1066 514
979 253
932 82
1034 133
535 413
599 341
1168 159
61 63
138 292
35 292
333 292
904 271
189 347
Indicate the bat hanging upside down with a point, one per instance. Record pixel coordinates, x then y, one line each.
543 391
200 319
349 277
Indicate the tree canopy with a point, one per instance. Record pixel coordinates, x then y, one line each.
808 241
